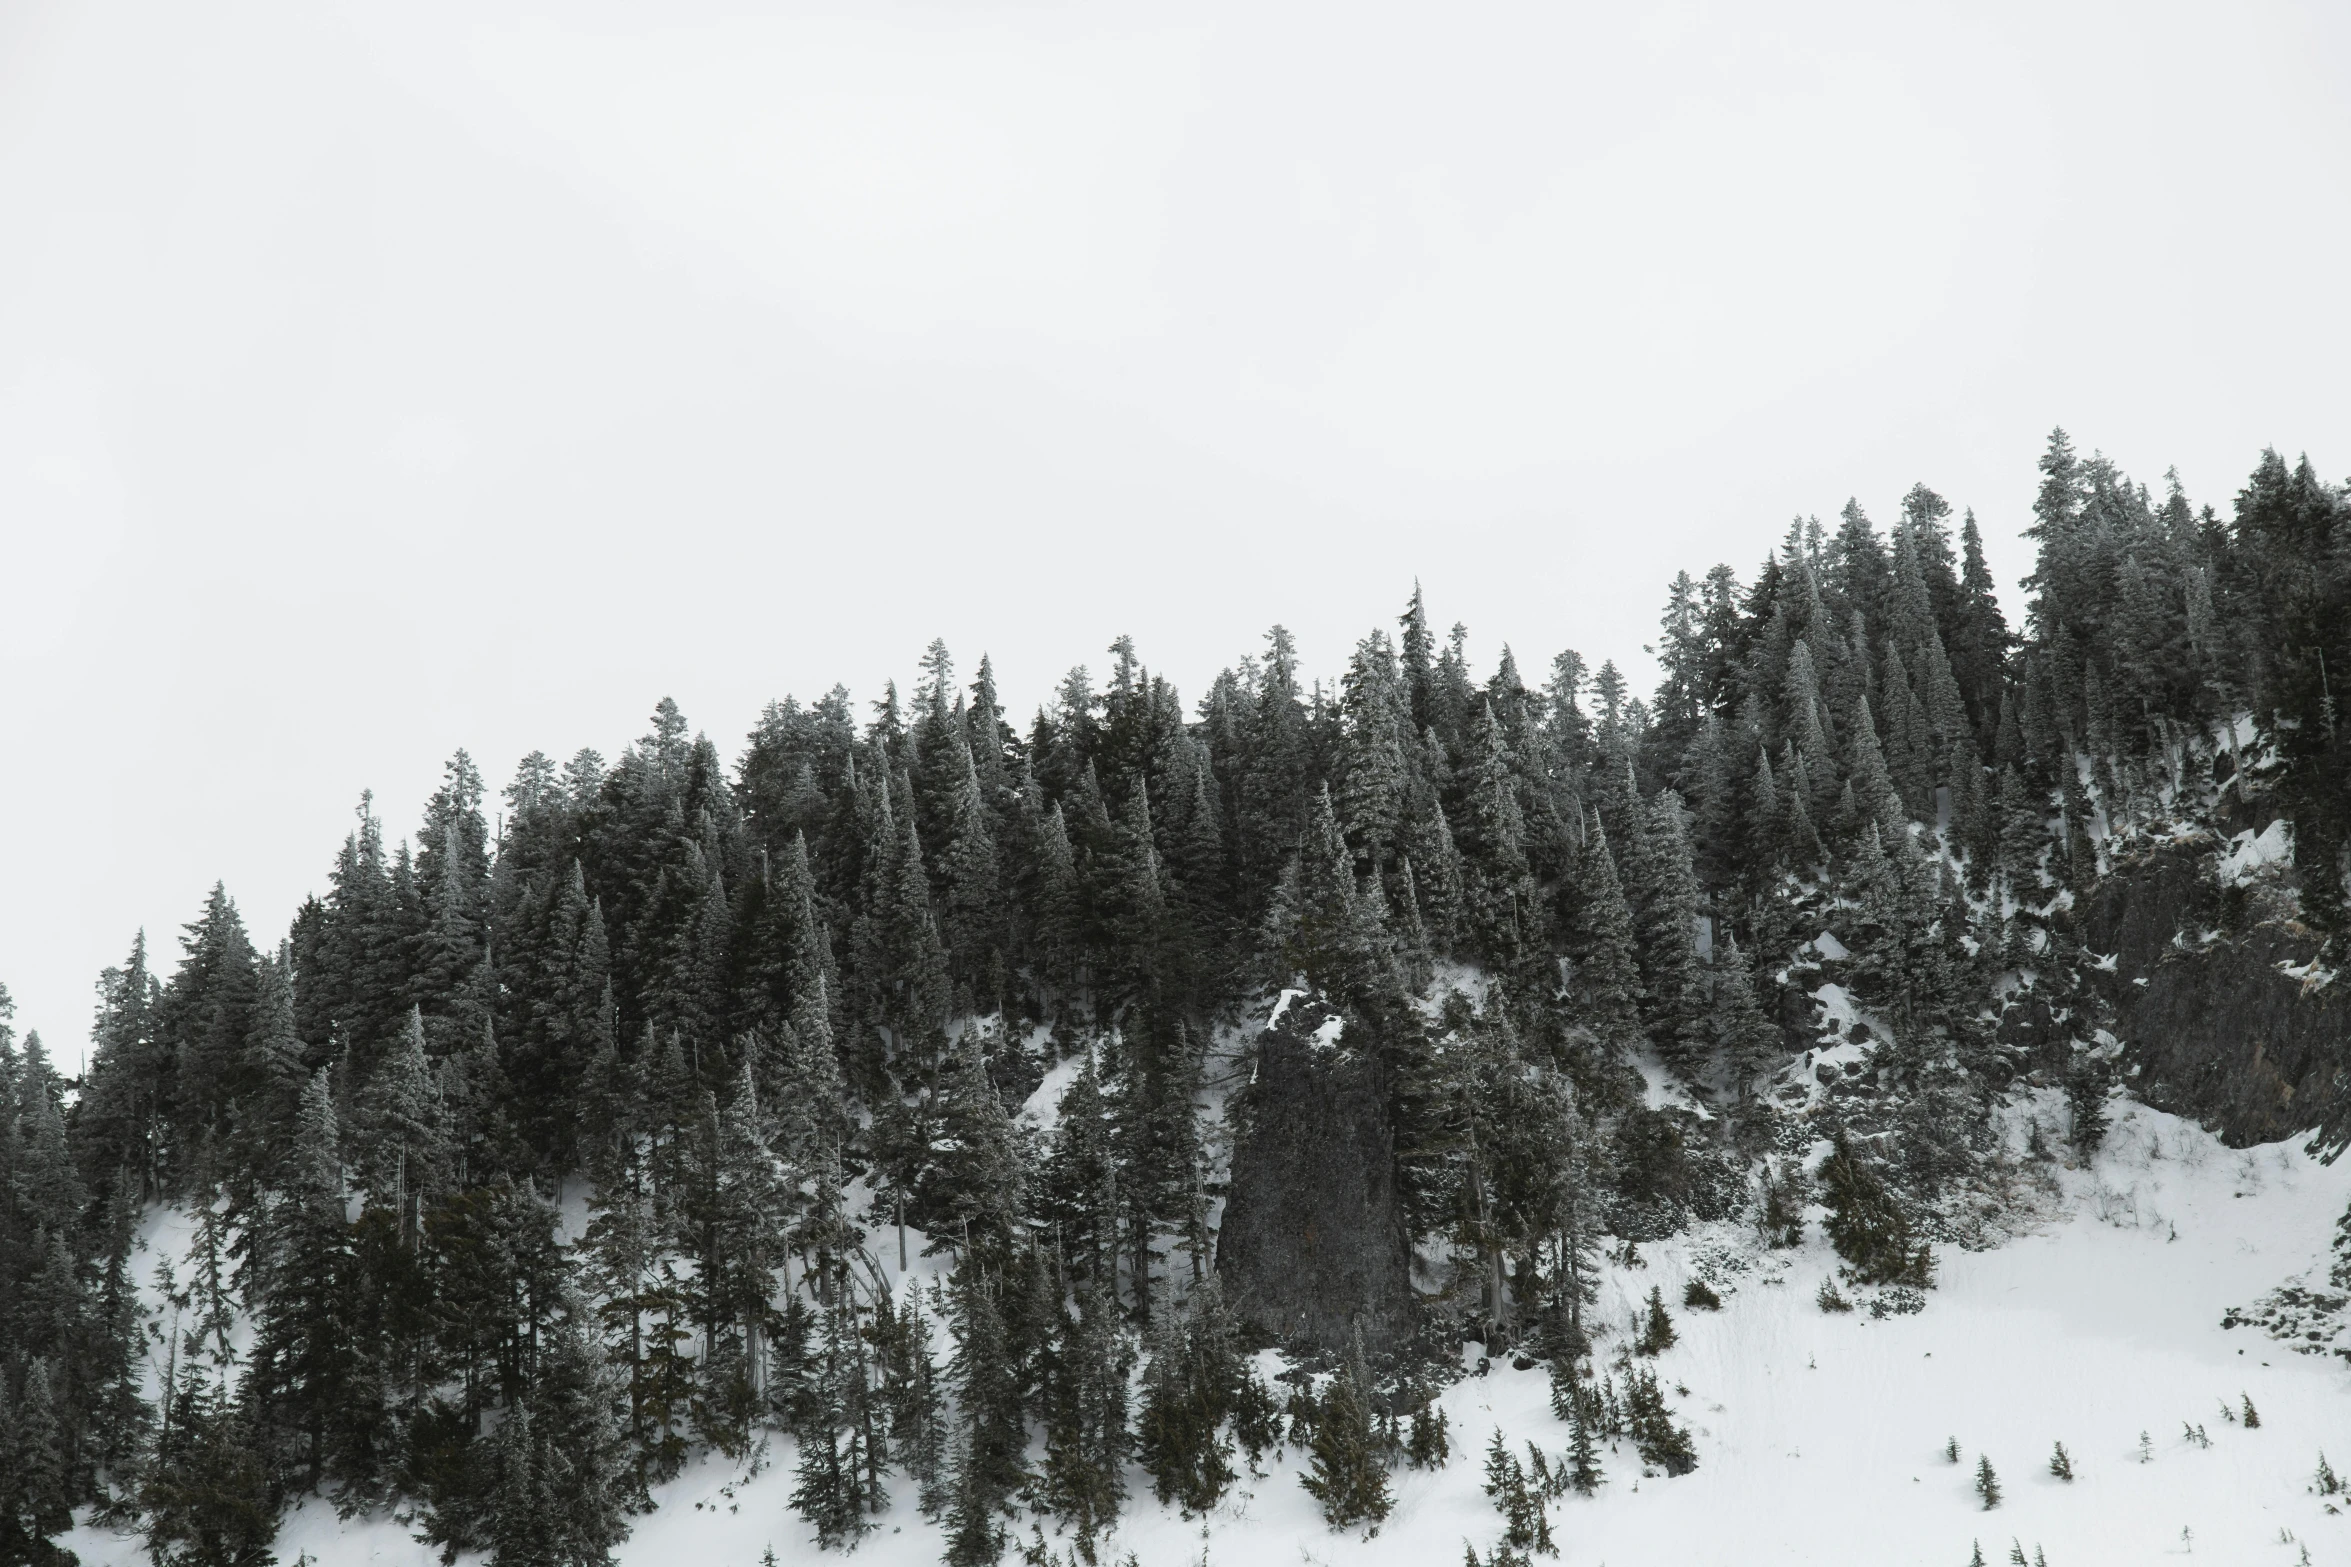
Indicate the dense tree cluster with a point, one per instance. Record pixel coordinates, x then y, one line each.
769 1020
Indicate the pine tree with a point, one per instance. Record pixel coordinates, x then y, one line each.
1671 974
910 1393
1348 1474
38 1493
1865 1223
1657 1334
1608 979
1651 1424
303 1365
831 1488
1521 1505
561 1460
1748 1040
2085 1102
401 1139
1584 1473
1987 1483
1087 1437
1190 1385
207 1498
972 1179
987 1374
1499 887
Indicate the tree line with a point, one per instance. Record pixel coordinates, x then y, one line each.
758 1024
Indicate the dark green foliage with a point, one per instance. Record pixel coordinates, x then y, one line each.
1194 1385
1430 1443
837 1487
1987 1483
1520 1500
1697 1296
1657 1334
2061 1463
2085 1102
727 999
1652 1428
1349 1469
1581 1465
1087 1436
207 1499
556 1461
1866 1224
989 1380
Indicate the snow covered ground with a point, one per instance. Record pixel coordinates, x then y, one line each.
1820 1437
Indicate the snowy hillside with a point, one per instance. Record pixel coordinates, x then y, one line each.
1821 1437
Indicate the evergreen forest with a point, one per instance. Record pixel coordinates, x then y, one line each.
585 1134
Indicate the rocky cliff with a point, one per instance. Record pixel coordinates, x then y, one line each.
2227 1006
1312 1247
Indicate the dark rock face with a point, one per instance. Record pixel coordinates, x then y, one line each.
2220 1031
1312 1246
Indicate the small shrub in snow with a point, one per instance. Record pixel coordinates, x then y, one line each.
1526 1524
2085 1103
2252 1415
2061 1463
1499 1556
1987 1483
1580 1467
1430 1443
1660 1441
1951 1451
1896 1300
1830 1299
1784 1197
2326 1483
1657 1334
1697 1297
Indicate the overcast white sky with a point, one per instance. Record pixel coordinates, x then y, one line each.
378 380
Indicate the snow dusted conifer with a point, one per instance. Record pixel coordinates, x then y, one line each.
1751 1045
1348 1472
1657 1334
1670 971
1608 975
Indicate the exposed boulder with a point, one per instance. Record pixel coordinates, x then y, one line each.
1312 1247
2227 1005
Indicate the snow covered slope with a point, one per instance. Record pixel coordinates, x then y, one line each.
1821 1438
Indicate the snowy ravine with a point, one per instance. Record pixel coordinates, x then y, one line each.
1821 1438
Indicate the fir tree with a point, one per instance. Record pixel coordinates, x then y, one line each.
207 1499
1608 980
1657 1334
1348 1474
1865 1223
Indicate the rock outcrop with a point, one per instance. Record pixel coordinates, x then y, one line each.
1312 1248
2226 1004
